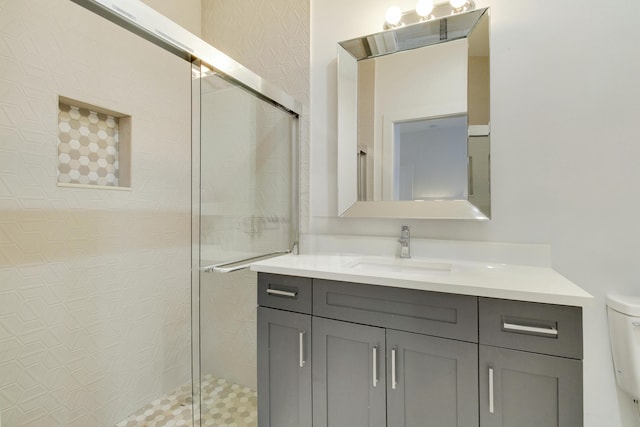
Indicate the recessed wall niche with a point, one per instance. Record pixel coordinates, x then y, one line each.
93 146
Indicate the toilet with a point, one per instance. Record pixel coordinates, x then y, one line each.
623 313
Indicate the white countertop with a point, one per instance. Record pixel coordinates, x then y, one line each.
494 280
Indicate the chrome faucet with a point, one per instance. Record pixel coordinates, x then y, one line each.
405 242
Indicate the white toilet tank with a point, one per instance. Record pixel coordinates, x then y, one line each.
624 330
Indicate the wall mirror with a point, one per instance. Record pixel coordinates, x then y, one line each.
414 121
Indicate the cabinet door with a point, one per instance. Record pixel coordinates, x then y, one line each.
520 389
431 381
284 368
348 374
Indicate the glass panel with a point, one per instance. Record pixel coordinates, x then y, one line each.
247 209
246 163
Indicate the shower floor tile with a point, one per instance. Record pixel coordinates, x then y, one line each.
224 404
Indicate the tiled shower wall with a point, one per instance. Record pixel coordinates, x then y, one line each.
94 284
274 43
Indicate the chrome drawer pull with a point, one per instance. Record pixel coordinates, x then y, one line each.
301 349
375 366
394 382
282 293
491 406
522 328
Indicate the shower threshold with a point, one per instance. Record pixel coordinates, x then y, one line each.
224 404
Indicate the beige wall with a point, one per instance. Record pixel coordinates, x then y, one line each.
271 38
94 284
186 13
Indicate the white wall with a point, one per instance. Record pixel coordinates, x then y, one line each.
564 112
94 284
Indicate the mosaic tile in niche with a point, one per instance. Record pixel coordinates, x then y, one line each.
89 145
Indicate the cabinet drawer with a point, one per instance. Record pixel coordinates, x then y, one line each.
284 292
430 313
538 328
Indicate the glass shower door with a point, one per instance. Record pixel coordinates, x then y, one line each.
247 209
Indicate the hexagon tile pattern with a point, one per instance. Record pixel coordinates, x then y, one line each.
224 404
87 146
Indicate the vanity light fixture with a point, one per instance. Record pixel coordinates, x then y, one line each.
393 15
424 7
425 10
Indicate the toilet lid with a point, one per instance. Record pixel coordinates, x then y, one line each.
628 305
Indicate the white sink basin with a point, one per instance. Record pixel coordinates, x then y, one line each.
398 265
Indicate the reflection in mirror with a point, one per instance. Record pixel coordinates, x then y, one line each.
429 159
413 121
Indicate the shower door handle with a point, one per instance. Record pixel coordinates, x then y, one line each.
241 264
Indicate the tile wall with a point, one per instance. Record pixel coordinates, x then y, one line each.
88 146
94 284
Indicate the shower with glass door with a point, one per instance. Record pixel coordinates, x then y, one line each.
244 209
244 151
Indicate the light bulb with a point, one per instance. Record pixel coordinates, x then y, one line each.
393 15
457 4
424 7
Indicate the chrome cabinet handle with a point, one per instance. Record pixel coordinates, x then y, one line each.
522 328
375 365
282 293
301 357
470 175
394 382
491 402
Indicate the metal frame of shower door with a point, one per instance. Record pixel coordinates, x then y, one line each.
196 369
144 21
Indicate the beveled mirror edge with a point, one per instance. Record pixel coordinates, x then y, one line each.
428 209
347 130
348 205
356 46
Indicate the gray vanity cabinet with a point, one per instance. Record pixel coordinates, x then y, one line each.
431 381
385 356
348 374
284 351
284 368
424 378
530 363
522 389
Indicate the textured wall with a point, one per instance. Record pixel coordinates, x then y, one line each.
186 13
94 284
271 38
